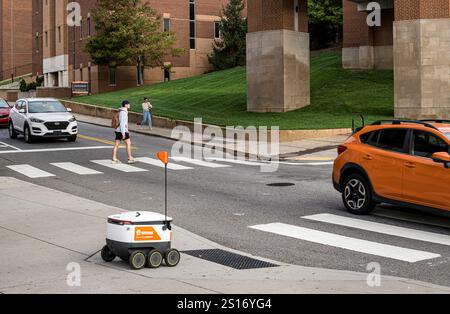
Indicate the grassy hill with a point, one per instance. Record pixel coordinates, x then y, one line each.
220 97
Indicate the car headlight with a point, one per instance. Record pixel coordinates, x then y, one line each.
73 119
35 120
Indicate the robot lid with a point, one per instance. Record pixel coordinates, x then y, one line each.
133 218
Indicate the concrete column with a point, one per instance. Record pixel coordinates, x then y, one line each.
367 47
422 59
278 56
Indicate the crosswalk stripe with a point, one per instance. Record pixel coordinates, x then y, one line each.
381 228
157 163
198 162
30 171
353 244
119 167
236 161
77 169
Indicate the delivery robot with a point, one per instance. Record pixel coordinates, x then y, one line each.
141 238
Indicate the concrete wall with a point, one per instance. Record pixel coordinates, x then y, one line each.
278 64
422 68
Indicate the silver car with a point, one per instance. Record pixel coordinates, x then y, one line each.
42 118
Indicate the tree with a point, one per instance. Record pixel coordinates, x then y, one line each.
325 22
128 31
230 50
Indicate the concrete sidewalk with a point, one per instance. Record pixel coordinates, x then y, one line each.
43 231
320 149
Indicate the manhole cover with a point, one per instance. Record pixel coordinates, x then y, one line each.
281 184
229 259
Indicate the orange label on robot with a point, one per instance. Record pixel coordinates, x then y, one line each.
146 234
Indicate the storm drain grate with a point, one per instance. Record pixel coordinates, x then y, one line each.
229 259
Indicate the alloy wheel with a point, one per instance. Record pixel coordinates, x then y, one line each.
355 194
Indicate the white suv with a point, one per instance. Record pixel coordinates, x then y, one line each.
42 118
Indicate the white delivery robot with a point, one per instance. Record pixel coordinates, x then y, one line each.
141 238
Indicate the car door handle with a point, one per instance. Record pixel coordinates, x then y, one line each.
368 157
410 165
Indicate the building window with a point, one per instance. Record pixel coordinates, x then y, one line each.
89 26
217 30
37 42
166 25
81 74
81 29
46 39
90 78
59 34
192 42
112 75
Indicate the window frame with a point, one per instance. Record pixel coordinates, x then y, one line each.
406 142
411 142
164 25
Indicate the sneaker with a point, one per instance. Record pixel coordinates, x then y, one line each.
132 161
116 161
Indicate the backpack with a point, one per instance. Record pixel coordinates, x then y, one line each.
115 121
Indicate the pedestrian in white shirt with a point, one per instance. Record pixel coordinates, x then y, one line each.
122 133
146 113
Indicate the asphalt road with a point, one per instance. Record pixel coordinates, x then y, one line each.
222 203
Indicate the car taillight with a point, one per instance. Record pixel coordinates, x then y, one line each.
341 149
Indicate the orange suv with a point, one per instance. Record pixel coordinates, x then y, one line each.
405 163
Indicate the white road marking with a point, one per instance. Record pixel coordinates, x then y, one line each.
157 163
30 171
10 146
52 150
77 169
198 162
382 228
352 244
119 167
325 163
236 161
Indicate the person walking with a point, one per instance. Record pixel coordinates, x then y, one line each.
146 113
120 123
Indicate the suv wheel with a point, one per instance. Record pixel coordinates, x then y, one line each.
357 195
27 135
12 131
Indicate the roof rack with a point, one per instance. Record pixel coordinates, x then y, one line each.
436 120
398 122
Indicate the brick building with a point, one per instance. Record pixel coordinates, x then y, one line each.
414 40
193 21
15 38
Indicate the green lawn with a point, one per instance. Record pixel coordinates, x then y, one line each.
220 97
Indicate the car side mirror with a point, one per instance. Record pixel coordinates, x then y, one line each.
22 111
69 110
443 158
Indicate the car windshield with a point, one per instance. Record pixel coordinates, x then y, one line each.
46 107
3 104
